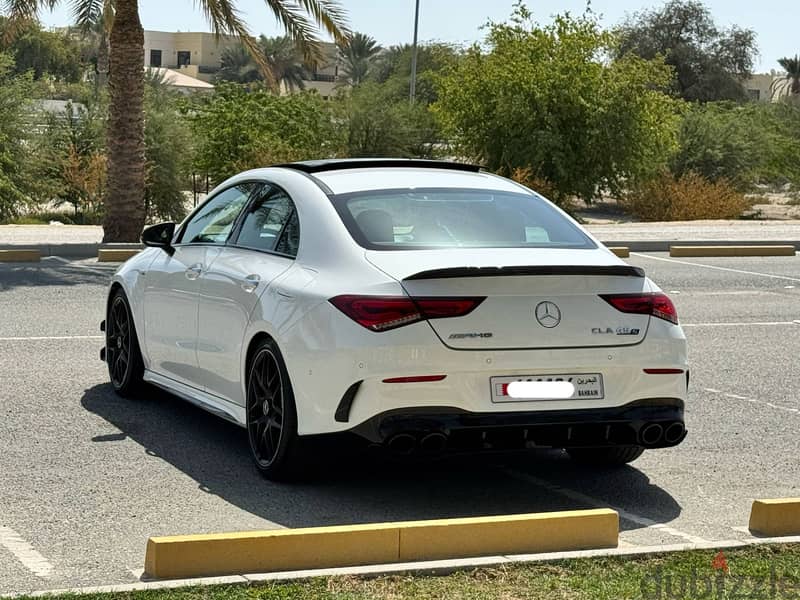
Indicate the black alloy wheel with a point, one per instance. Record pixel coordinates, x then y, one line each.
265 407
271 416
122 348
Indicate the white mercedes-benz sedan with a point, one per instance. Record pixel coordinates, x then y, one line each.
425 306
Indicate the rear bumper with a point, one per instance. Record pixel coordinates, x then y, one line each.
651 423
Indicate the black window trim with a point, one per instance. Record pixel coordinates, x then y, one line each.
339 202
233 238
182 229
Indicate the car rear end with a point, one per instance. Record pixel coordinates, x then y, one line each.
498 324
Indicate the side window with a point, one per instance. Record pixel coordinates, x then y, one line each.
213 223
290 238
266 219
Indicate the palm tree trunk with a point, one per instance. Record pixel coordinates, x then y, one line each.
102 59
124 201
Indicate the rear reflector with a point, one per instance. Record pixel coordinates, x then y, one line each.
381 313
415 379
664 371
654 303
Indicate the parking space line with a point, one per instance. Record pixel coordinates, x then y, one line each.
754 401
623 514
694 264
48 338
24 552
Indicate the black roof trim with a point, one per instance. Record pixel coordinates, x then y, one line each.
335 164
604 270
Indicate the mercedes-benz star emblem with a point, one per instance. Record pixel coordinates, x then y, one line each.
548 314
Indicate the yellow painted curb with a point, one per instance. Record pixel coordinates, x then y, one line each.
621 251
731 251
776 517
20 255
117 255
513 534
380 543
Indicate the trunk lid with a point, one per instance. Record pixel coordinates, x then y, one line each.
543 298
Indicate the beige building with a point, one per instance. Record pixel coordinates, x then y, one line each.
761 87
197 54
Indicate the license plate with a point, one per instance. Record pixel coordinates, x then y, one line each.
588 386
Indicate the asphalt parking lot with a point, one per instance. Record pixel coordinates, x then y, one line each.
86 477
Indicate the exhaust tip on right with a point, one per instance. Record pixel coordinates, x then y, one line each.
674 432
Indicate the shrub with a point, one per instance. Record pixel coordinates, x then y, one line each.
688 197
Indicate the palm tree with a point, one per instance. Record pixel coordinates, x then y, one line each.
238 66
285 61
789 83
357 53
283 58
126 161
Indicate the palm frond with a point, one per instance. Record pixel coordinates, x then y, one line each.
20 13
86 13
225 19
328 14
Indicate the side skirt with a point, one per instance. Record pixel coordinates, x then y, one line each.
216 406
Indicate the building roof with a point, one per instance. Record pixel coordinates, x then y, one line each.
181 80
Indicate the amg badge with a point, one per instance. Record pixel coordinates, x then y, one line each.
461 336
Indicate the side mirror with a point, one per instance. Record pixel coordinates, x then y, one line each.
159 236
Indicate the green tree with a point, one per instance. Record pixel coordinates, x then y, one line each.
380 124
709 63
789 84
43 53
126 136
742 144
236 129
69 160
358 53
14 95
542 99
392 68
168 151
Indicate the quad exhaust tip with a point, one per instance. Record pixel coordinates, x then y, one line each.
402 444
652 434
433 442
674 432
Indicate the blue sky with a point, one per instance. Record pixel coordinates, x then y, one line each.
391 21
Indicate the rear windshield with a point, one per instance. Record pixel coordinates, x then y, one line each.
407 219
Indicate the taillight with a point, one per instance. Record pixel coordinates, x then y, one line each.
381 313
653 303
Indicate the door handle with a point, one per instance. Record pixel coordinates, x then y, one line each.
250 283
194 271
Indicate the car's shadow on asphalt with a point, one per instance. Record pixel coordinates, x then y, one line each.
354 486
51 273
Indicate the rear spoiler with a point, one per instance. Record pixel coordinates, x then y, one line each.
589 271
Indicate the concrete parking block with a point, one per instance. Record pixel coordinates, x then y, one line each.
543 532
20 255
341 546
762 250
115 255
621 251
775 517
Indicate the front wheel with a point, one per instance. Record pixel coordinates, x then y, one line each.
610 456
125 366
271 415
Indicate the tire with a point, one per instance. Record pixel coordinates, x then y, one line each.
609 457
276 449
123 356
